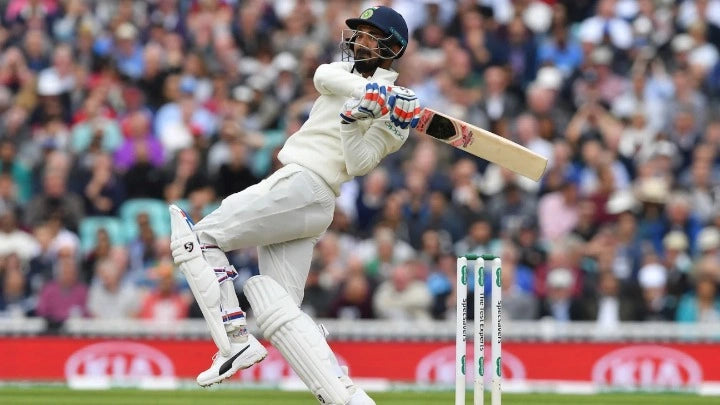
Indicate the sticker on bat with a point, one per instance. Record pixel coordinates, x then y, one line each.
424 120
466 138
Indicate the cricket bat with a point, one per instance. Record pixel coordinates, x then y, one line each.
482 143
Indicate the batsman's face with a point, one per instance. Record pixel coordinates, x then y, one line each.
366 42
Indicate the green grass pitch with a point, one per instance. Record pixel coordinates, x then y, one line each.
62 396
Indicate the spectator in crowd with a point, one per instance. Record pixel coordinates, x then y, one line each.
561 50
707 266
142 177
678 263
606 28
354 298
371 198
558 211
652 224
479 240
55 201
139 146
127 51
402 296
185 176
99 252
628 249
518 302
180 121
235 175
658 304
109 297
96 129
165 303
702 306
558 302
587 226
383 252
142 249
508 207
103 190
20 174
433 245
317 298
709 242
531 252
499 104
680 217
15 301
465 193
14 240
446 222
66 296
416 207
609 305
8 196
335 258
440 284
41 265
218 153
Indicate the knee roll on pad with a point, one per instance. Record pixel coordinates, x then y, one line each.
297 337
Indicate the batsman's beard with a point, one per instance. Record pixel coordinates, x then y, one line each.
368 64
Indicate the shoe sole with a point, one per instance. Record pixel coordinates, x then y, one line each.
230 373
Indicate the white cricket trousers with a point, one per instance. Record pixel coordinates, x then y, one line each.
283 215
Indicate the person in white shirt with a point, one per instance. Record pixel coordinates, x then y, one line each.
605 25
285 214
109 297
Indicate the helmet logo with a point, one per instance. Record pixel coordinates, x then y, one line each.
367 13
397 36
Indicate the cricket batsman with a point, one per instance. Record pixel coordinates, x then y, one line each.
358 119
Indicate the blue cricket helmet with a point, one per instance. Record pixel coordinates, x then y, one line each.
387 20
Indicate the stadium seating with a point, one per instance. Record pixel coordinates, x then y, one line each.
89 227
156 210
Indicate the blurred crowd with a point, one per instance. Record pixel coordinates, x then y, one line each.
111 109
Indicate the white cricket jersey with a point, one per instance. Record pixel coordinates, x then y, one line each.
321 145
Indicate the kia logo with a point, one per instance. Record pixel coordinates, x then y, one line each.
647 367
439 366
119 360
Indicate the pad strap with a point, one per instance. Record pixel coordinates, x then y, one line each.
225 273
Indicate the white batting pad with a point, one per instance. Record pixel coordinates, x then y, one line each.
297 337
200 276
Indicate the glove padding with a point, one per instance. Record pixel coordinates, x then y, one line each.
371 105
404 107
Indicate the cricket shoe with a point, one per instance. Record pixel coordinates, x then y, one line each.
243 356
359 396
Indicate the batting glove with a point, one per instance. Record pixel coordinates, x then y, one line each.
371 105
404 107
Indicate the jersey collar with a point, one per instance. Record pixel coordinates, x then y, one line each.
385 75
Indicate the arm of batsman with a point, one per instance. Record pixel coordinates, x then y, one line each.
404 107
371 105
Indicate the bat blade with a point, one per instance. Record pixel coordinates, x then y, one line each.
482 143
